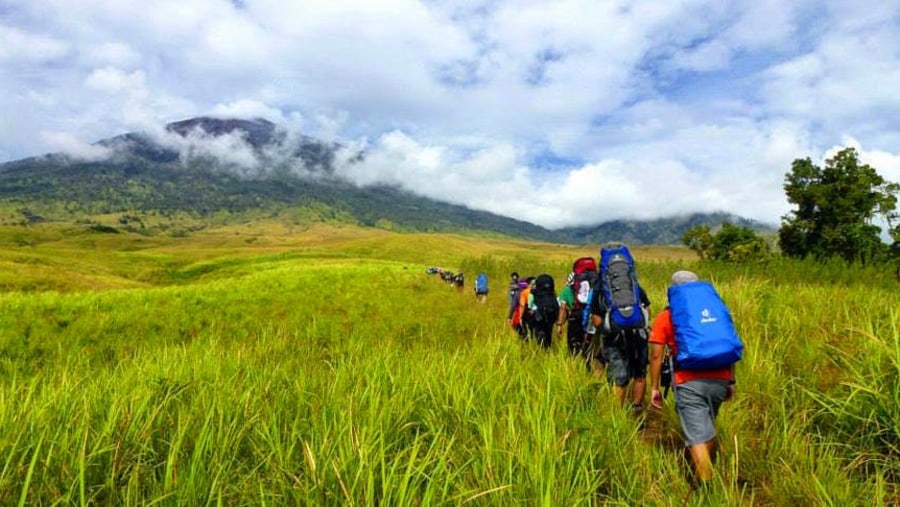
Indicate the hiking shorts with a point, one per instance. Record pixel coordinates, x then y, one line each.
697 403
622 367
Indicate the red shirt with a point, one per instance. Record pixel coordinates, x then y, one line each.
663 332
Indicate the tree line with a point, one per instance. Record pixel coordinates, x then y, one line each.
835 215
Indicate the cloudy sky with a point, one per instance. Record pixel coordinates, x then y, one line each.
559 112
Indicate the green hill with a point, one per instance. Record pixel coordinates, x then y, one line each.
173 178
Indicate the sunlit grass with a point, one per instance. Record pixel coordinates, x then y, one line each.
324 367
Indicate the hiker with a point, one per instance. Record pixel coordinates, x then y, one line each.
698 330
571 316
459 281
526 314
514 316
593 345
574 298
567 316
619 308
481 288
544 308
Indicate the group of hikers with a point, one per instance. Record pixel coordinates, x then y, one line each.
690 347
458 280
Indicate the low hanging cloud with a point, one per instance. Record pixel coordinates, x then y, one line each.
524 109
67 144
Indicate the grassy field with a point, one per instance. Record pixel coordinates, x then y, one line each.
276 365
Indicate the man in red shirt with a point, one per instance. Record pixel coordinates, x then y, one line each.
698 394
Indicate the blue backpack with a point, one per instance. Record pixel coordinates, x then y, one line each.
704 331
481 285
619 289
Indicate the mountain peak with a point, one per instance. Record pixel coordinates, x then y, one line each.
257 131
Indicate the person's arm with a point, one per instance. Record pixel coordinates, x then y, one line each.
731 386
659 336
596 311
563 313
657 351
645 299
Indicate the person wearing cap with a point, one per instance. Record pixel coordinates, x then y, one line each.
698 394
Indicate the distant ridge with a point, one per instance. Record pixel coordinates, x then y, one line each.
261 168
661 231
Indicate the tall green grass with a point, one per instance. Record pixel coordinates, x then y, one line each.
292 378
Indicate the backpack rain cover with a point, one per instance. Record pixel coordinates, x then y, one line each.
704 331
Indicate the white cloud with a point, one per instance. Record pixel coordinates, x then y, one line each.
640 108
113 54
21 46
113 80
68 144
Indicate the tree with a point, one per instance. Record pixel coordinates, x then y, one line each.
730 243
835 208
698 239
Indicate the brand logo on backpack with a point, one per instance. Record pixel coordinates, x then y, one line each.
706 317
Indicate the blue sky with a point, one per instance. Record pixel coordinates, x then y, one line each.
563 112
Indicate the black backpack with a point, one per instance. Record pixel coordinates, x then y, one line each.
544 293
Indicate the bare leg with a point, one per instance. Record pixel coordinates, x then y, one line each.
701 458
620 393
638 388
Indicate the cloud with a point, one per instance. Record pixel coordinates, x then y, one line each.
67 144
22 47
113 80
560 112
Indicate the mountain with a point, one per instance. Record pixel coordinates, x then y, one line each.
208 167
205 166
662 231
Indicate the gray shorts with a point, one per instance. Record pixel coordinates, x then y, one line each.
697 403
625 362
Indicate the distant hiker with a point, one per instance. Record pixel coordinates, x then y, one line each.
698 330
514 316
619 312
481 287
544 309
459 281
526 314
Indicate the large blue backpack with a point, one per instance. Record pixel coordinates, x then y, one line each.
619 289
704 331
481 283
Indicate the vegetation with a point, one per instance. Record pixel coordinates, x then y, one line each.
729 243
835 208
269 364
155 190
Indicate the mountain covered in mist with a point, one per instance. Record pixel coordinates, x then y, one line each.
208 166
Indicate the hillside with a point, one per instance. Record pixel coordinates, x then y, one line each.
663 231
234 170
